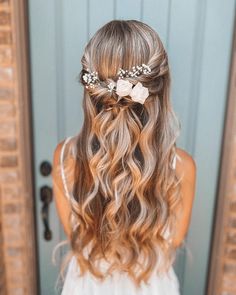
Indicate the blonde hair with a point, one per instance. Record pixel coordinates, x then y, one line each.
124 152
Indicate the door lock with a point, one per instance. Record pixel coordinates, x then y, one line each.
45 168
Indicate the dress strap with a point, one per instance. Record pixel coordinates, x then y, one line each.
175 158
174 162
62 167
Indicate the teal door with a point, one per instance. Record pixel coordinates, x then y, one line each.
198 37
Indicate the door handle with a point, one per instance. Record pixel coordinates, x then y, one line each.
46 198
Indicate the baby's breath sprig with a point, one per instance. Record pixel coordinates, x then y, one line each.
91 78
135 72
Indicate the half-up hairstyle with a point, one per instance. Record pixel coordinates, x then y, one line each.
125 191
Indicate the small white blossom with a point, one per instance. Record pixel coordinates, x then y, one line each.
139 93
123 87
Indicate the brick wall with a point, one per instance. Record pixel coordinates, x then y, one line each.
17 254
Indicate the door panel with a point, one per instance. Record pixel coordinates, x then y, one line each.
46 111
197 36
211 92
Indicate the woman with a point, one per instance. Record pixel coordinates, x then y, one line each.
123 190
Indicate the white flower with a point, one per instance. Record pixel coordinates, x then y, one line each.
139 93
123 87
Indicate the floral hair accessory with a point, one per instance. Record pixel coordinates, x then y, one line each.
135 72
91 79
123 87
138 93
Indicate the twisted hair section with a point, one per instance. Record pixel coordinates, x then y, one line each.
125 192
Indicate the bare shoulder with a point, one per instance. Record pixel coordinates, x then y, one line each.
56 158
63 163
57 151
186 169
67 153
185 164
59 192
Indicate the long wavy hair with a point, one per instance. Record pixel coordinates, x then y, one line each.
125 191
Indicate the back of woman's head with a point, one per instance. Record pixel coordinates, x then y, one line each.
125 190
124 44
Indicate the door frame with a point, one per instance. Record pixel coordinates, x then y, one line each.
20 198
226 190
20 13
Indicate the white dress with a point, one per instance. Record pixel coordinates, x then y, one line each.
119 283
